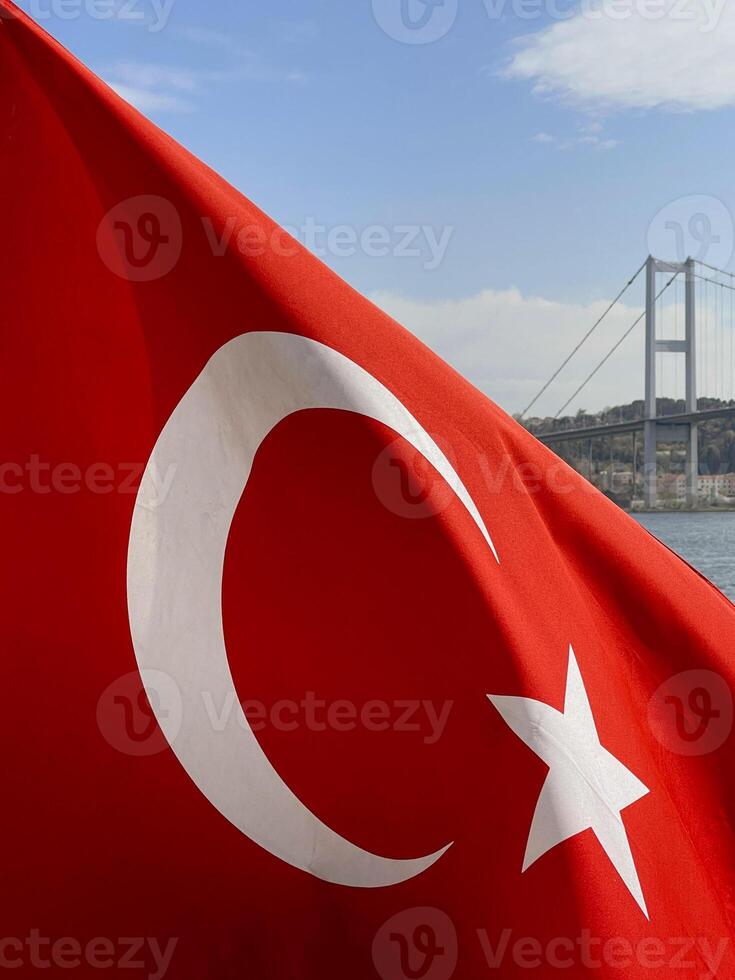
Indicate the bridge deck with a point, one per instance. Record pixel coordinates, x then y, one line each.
618 428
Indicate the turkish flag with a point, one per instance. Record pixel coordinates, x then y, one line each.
315 663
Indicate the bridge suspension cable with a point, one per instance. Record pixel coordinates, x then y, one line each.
584 339
722 285
716 370
612 350
713 268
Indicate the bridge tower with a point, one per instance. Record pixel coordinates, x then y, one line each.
656 429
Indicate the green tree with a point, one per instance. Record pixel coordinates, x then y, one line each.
712 458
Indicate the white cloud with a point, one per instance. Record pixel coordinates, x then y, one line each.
149 101
635 54
205 35
590 134
508 345
153 87
152 76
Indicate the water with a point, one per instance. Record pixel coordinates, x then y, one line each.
705 540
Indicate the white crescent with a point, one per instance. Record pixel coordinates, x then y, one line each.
175 566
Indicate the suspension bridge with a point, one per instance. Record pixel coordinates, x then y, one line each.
691 337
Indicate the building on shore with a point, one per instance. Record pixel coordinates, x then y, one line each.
710 486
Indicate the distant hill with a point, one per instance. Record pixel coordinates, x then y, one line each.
593 457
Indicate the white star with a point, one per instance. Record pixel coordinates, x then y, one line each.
586 788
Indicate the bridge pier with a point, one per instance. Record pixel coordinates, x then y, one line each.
650 474
692 466
692 462
657 428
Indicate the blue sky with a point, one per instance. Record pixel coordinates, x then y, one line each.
534 157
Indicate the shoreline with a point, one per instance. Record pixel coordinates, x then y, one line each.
672 510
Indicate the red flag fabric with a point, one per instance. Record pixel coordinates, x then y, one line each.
316 664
